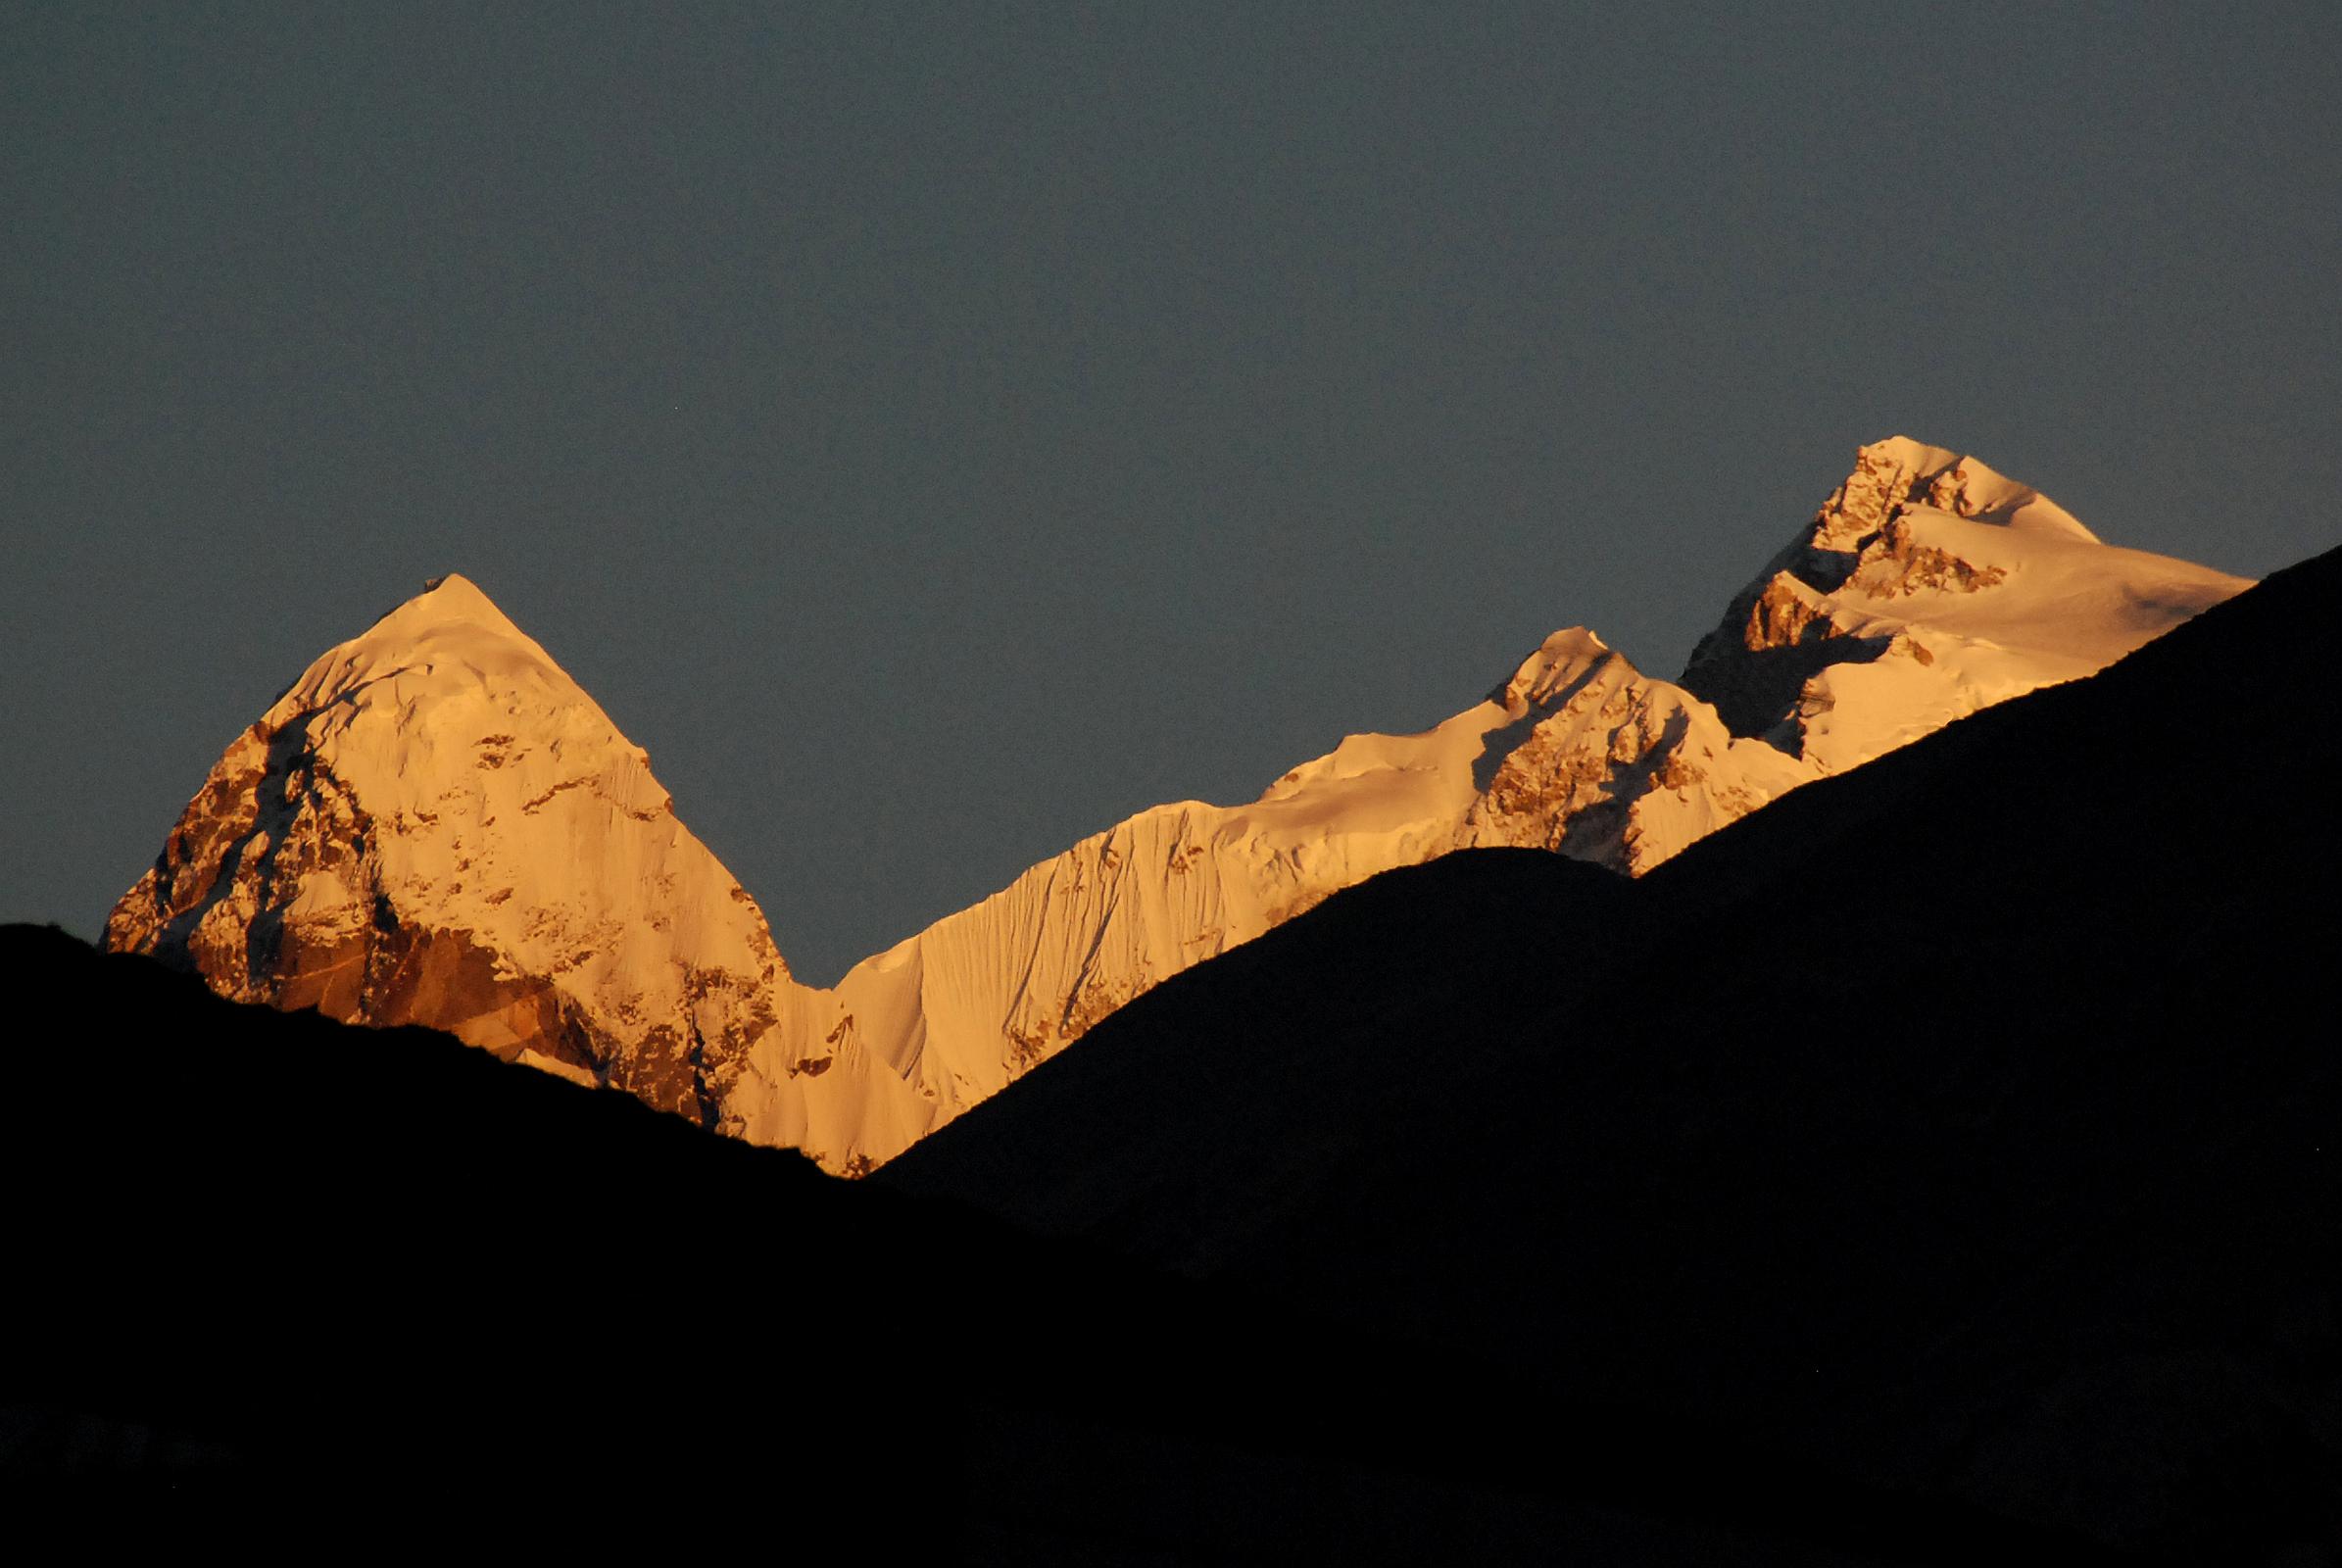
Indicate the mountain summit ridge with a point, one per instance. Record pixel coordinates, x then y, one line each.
1927 586
435 824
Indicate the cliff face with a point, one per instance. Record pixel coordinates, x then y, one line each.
435 824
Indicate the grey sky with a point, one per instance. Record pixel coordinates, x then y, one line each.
936 433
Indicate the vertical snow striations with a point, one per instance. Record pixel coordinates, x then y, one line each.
436 825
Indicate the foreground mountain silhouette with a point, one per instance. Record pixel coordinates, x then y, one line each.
435 825
1969 1124
308 1282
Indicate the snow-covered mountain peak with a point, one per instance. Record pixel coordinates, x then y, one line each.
1559 662
451 635
1973 490
1898 474
1928 587
436 824
456 597
452 611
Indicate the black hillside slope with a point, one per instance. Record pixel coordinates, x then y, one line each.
1967 1125
281 1275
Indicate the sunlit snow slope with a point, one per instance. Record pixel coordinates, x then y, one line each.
437 825
1928 587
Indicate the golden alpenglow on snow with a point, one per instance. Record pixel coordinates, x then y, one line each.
437 825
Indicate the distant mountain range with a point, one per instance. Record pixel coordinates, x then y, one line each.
434 824
1937 1166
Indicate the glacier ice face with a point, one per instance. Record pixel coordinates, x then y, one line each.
436 825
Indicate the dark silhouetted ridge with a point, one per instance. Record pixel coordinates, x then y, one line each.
1965 1126
279 1275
